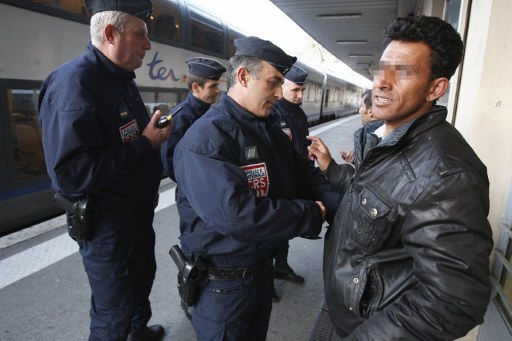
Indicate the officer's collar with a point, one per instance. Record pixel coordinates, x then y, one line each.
290 104
241 112
110 67
197 104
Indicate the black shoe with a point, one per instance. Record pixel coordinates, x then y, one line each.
152 333
284 271
275 298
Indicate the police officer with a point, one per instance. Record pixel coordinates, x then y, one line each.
293 121
101 146
203 82
243 191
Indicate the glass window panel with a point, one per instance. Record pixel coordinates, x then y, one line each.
165 21
232 37
71 6
27 144
205 37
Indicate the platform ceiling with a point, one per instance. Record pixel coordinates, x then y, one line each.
350 29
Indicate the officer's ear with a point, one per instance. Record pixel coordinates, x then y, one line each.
243 76
195 87
108 33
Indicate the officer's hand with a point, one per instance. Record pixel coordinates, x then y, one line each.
318 151
155 135
314 233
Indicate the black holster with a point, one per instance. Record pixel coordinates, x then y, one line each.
191 276
79 214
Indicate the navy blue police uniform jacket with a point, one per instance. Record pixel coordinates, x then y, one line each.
294 122
193 108
243 190
92 118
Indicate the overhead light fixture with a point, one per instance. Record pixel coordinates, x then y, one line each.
340 16
356 55
349 42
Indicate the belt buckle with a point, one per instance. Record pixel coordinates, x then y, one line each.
243 273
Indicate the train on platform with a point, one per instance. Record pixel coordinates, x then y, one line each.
38 36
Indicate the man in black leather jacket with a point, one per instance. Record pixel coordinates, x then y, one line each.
407 256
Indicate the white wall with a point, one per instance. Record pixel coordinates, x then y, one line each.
484 111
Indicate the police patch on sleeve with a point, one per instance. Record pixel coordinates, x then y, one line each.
257 178
129 131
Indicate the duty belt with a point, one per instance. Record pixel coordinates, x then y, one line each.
221 274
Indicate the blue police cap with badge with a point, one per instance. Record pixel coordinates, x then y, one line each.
297 75
264 50
205 68
140 8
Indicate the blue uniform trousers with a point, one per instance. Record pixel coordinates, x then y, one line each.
120 265
237 309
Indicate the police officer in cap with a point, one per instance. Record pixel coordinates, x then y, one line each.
293 121
243 191
102 151
203 82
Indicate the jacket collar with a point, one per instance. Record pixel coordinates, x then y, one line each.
365 140
236 110
196 104
97 58
415 126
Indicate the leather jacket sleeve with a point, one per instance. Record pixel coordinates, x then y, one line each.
339 176
448 237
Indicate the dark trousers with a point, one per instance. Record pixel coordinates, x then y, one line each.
120 264
234 309
281 258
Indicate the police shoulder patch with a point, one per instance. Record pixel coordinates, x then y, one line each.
257 178
129 131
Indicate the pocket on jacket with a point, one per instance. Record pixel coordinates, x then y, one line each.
372 221
385 277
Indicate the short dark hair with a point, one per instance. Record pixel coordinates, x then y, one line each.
367 98
443 40
195 79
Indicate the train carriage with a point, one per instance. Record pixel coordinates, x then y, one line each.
39 35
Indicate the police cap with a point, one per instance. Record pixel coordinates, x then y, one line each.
139 8
205 68
297 75
264 50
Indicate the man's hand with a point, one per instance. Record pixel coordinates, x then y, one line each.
155 135
347 156
318 151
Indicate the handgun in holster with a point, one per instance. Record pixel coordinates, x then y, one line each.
191 275
79 214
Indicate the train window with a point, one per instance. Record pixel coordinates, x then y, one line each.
313 92
165 22
233 35
70 6
27 147
163 101
206 33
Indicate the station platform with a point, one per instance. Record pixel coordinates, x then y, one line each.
44 293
